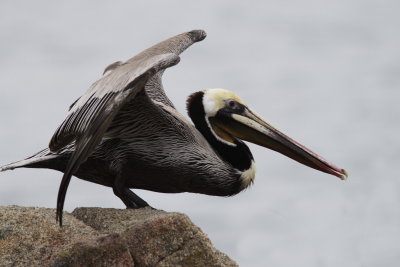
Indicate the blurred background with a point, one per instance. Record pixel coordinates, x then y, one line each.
327 73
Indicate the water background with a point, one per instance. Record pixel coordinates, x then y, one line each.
327 73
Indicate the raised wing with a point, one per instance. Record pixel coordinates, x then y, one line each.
91 115
176 45
106 96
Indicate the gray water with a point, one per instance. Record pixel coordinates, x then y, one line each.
327 73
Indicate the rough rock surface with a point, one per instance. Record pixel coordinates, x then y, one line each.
103 237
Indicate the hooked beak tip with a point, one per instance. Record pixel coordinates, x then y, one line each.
344 174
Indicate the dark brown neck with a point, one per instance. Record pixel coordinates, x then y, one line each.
238 155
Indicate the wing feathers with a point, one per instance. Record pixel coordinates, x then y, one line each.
176 44
87 122
90 116
111 87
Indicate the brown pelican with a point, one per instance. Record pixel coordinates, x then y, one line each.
125 133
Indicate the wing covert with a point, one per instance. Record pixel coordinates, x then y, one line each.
107 95
176 44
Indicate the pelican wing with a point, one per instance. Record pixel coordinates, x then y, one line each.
90 116
93 112
176 44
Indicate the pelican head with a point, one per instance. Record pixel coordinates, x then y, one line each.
230 119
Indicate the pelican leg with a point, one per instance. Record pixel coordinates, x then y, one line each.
130 199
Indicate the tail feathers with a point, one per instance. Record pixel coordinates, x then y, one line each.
41 156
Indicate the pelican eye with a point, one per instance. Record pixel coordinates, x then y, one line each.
233 105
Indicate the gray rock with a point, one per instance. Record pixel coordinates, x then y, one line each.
103 237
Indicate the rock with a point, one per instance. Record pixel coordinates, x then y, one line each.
103 237
108 250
